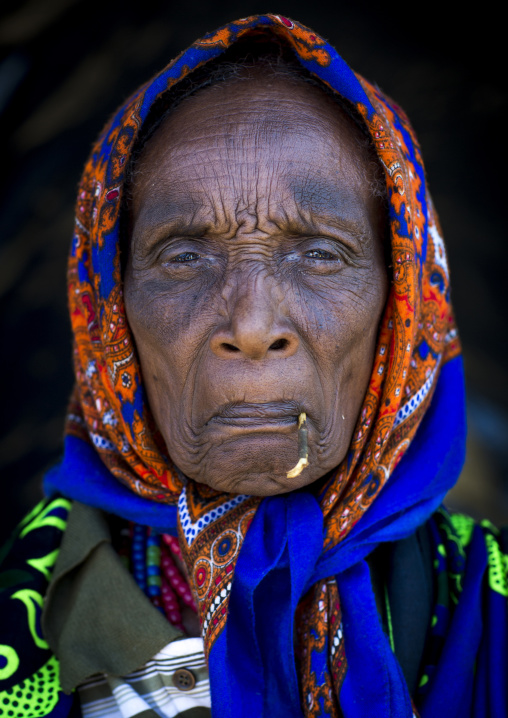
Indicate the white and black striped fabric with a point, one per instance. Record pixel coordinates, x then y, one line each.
151 690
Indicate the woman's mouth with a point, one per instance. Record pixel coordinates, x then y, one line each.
266 416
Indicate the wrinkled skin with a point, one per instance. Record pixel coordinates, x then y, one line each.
255 281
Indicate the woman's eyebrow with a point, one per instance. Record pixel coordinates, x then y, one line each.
312 207
318 200
327 208
171 216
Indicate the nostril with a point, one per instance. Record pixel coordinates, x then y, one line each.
279 345
229 347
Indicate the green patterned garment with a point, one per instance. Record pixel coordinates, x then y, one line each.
29 672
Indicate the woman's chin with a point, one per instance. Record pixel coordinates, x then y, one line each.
256 483
254 468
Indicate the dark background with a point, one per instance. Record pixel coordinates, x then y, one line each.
64 67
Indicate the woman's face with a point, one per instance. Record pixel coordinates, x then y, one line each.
255 281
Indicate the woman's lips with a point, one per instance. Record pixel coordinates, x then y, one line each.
265 416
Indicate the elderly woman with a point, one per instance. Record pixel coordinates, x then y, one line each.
268 413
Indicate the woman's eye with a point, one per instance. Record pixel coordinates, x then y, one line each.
319 254
185 257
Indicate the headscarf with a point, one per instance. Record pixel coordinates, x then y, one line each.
260 567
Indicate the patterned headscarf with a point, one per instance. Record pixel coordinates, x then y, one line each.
417 338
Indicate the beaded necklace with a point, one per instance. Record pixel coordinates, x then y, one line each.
156 573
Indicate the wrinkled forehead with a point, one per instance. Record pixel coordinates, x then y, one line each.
256 62
264 120
261 110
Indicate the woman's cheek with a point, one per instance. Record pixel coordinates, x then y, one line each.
164 312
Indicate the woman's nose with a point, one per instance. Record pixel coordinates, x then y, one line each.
257 329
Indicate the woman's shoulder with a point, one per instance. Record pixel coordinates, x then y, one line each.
455 552
64 583
432 583
460 572
29 672
471 546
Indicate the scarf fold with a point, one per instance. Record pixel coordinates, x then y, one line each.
374 683
284 594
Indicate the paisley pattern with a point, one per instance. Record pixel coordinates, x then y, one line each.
320 649
416 337
214 531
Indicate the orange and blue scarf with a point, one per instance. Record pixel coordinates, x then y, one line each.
284 592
